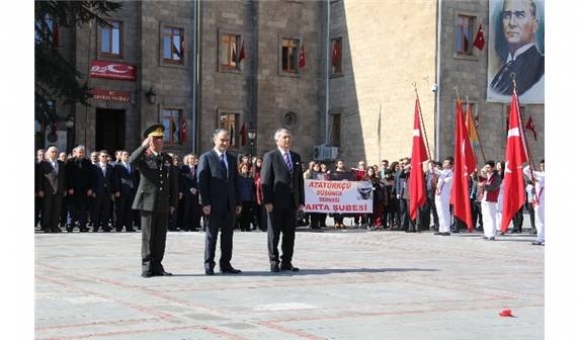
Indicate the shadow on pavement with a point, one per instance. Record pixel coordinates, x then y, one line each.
318 272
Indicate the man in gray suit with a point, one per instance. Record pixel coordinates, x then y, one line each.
156 197
52 188
283 194
220 199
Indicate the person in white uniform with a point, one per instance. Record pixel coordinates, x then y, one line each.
539 200
442 196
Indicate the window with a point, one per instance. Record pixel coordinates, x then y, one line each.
172 120
47 31
230 52
289 55
336 130
173 45
464 34
336 57
230 122
110 39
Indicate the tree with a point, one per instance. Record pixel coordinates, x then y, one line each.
55 77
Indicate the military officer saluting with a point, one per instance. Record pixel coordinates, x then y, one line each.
156 198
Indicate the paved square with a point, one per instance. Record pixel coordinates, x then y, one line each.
353 284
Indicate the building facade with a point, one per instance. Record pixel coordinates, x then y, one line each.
341 75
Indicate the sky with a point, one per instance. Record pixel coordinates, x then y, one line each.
17 250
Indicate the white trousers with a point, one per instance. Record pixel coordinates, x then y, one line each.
540 221
442 203
489 215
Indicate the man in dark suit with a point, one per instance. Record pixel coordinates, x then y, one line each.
126 182
79 173
103 190
156 197
283 195
220 199
520 24
52 188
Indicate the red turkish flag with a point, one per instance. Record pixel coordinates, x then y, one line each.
416 184
302 60
464 165
531 127
516 155
479 41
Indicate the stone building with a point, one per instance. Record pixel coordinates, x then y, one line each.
342 75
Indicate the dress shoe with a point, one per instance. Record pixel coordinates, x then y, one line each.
442 233
146 273
209 271
274 268
230 270
57 230
289 267
538 243
162 273
492 238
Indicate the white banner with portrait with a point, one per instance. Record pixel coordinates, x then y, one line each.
344 197
516 47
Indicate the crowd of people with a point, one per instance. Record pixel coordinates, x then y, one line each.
102 199
100 193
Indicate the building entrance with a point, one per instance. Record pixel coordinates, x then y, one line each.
110 130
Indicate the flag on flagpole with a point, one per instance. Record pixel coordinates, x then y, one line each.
471 128
479 41
416 184
464 165
242 134
242 52
515 156
302 59
183 130
531 127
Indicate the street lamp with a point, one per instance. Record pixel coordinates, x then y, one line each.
251 134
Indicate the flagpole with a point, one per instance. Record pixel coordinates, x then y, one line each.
422 122
477 136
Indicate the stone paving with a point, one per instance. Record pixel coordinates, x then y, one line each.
353 284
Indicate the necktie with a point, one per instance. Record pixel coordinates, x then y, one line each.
104 169
288 162
55 166
224 163
502 82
